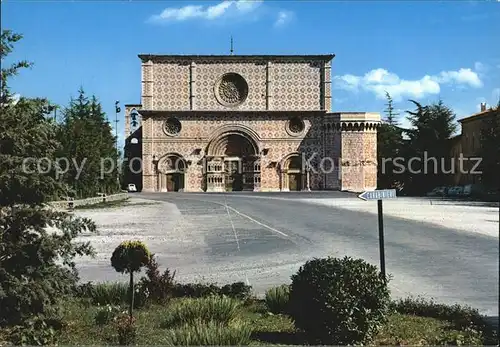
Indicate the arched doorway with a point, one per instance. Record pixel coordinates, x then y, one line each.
171 175
292 173
233 163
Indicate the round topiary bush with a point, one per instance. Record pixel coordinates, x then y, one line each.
339 301
130 256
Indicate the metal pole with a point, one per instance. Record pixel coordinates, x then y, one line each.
381 237
116 145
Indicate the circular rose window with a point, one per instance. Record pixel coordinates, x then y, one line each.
172 126
231 89
295 126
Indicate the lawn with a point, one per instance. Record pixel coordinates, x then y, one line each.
267 328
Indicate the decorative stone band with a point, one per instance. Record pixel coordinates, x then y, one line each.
351 126
351 121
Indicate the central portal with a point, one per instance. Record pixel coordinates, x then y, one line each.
233 163
233 175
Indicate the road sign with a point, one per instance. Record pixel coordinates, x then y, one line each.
378 194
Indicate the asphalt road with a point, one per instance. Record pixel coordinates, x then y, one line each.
264 238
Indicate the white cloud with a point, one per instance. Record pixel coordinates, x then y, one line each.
378 81
238 7
480 67
283 18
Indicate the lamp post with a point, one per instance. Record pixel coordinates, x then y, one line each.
117 110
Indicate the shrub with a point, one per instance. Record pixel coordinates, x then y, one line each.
157 287
104 293
463 318
338 301
37 331
126 329
215 308
278 298
195 290
106 314
210 334
237 290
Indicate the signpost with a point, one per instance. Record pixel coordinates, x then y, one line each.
380 195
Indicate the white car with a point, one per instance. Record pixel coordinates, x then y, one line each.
131 188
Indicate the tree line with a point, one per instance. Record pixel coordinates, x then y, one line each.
73 146
432 128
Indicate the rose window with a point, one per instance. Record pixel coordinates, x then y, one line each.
296 125
231 90
172 126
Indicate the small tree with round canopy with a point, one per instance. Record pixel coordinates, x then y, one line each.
130 257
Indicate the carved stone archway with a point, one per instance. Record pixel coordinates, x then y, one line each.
171 173
292 175
232 160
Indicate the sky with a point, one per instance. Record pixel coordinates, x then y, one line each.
420 50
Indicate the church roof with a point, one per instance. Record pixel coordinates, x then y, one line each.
321 57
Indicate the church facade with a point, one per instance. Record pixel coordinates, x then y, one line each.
254 123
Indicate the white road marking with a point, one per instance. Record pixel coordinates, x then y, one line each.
232 225
257 222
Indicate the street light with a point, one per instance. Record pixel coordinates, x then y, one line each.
117 110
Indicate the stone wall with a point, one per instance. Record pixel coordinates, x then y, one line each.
63 204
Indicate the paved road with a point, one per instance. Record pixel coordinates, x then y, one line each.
263 239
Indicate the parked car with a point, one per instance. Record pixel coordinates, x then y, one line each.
438 191
455 191
131 188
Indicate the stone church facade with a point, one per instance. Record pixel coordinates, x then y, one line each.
256 123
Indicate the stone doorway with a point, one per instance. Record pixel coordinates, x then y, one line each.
171 173
233 163
295 182
292 175
175 182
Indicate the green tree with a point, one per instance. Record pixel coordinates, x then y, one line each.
433 125
8 39
87 140
389 145
37 245
490 150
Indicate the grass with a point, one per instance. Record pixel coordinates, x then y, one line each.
231 327
117 203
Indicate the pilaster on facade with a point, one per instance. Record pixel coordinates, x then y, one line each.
192 85
147 84
327 87
268 85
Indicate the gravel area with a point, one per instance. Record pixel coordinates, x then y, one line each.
477 219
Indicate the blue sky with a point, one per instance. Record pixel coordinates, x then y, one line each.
423 50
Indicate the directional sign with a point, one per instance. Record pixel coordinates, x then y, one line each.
378 194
